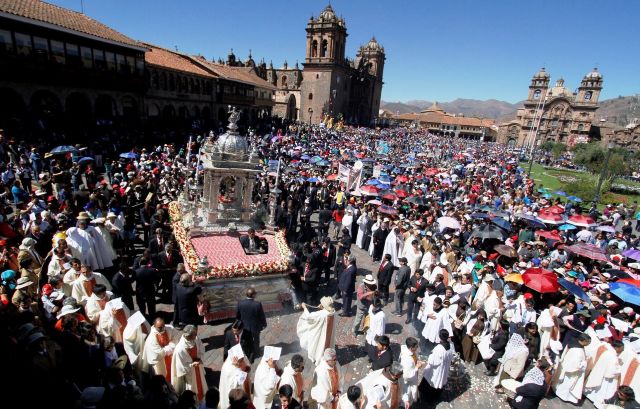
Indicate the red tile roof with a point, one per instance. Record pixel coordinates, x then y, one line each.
164 58
42 12
238 74
444 118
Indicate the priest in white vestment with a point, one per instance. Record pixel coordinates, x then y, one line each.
352 399
326 387
187 368
292 376
602 382
82 287
383 388
134 336
316 330
411 369
113 319
547 324
413 255
159 347
265 383
393 245
377 324
569 377
436 320
362 221
233 375
436 372
89 244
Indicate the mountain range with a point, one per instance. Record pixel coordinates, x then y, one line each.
618 111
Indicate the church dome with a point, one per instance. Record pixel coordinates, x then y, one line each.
328 15
541 74
595 74
559 90
373 45
232 144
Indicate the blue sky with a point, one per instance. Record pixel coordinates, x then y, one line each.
436 50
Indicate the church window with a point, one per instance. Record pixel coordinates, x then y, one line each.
314 48
580 127
284 80
325 48
536 94
554 123
310 96
588 95
529 123
317 76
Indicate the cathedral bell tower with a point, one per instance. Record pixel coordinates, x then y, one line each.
590 88
539 85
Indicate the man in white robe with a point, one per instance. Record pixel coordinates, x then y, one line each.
104 232
547 322
134 336
411 369
493 307
113 319
602 381
187 369
82 287
292 376
90 244
377 324
436 372
326 388
352 399
265 383
363 221
316 330
630 375
435 321
233 375
159 347
413 255
383 388
569 377
393 245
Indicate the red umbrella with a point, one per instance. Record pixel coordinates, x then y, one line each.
387 210
375 202
554 209
541 280
360 155
551 235
580 220
333 176
369 190
629 281
401 193
431 172
402 179
550 218
389 196
589 251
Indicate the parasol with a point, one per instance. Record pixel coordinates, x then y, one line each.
417 200
554 209
607 229
448 222
85 160
588 250
514 278
629 281
549 235
488 231
63 149
129 155
582 221
387 210
502 223
566 227
541 280
550 218
574 289
374 202
505 250
626 292
633 254
369 190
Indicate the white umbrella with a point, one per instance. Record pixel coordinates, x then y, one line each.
448 222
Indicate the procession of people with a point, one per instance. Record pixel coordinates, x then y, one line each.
484 265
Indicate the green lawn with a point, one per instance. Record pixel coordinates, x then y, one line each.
549 178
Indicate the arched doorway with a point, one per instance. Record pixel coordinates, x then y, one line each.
12 112
130 110
46 109
292 111
106 110
78 113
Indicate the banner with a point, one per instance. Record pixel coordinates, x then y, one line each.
351 176
273 165
377 171
382 148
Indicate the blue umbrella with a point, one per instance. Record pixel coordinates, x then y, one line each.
313 180
305 157
502 223
626 292
384 179
574 289
372 182
574 199
567 227
63 149
547 196
315 159
479 215
85 159
323 163
129 155
560 193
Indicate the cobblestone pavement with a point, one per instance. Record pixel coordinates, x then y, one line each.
475 391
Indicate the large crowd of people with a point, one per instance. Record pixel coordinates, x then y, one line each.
483 264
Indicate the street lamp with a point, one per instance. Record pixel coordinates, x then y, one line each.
610 147
310 114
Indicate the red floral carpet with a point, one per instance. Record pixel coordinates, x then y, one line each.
223 250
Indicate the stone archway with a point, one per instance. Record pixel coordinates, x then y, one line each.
105 108
292 110
78 113
130 110
46 109
12 111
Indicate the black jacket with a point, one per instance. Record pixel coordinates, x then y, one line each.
293 404
187 301
122 287
384 275
347 280
252 315
499 343
413 296
402 277
246 343
382 361
531 395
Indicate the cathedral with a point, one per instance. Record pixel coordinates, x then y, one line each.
554 113
329 83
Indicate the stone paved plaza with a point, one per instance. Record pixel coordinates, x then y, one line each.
476 392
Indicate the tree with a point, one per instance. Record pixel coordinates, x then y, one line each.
592 156
556 148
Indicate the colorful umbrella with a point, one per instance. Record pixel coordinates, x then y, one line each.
502 223
618 273
554 209
559 193
401 193
582 221
574 289
626 292
85 160
629 281
63 149
550 218
369 190
332 176
550 235
608 229
574 199
478 215
633 254
389 196
566 227
448 222
374 202
514 278
488 231
402 179
418 200
129 155
588 250
387 210
541 280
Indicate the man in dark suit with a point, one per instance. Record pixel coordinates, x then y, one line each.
498 344
157 242
328 258
121 284
347 285
382 357
237 334
167 262
187 301
324 221
417 288
251 314
311 272
403 275
285 399
385 272
252 244
343 245
146 278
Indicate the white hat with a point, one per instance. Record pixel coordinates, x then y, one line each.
66 310
23 282
602 287
386 219
628 310
522 264
40 192
368 279
327 304
560 270
635 266
111 214
98 220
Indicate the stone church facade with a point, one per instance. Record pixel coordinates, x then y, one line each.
330 83
554 113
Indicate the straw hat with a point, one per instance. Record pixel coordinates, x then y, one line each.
369 280
83 216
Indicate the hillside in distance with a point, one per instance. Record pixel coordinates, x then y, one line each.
619 111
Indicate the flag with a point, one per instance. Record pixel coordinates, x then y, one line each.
344 171
273 165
